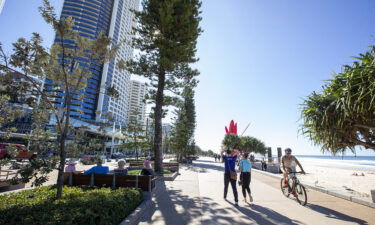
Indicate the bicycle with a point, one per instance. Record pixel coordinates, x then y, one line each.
299 189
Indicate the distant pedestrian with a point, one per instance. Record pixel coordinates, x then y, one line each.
245 176
215 156
219 158
230 175
262 164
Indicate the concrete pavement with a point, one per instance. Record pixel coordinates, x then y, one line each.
196 197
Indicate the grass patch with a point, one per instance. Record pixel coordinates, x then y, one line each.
77 206
138 171
134 172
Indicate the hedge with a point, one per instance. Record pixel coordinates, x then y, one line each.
77 206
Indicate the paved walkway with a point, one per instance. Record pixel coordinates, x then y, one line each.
196 197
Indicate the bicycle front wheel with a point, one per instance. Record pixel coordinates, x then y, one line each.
285 190
301 194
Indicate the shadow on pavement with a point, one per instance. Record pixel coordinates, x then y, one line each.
330 213
263 215
175 208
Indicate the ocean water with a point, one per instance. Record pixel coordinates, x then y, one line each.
359 162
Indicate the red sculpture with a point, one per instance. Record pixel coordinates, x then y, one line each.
232 128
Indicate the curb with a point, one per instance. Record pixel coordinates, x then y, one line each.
134 217
355 199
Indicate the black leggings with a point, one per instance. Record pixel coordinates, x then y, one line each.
245 177
227 180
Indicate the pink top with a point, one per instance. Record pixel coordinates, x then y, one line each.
70 169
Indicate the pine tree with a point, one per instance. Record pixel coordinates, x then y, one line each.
166 36
183 133
136 134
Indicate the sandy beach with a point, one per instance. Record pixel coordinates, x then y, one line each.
341 179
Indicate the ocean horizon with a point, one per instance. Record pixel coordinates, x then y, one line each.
354 162
365 163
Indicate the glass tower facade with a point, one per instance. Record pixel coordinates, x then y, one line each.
114 18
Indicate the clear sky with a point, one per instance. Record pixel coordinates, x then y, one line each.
258 60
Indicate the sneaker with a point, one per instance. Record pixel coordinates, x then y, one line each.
251 198
236 204
294 193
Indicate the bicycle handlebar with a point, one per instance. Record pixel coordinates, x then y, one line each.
297 172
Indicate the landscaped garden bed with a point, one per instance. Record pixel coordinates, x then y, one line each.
77 206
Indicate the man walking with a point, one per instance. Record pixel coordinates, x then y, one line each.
230 175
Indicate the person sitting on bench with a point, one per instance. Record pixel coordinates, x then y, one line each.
71 167
147 170
121 168
98 169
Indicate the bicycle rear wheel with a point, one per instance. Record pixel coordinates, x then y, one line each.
285 190
301 194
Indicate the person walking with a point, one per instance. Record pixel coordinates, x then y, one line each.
245 176
230 175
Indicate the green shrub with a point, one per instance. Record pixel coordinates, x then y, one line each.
77 206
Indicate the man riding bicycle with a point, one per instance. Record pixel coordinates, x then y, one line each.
289 162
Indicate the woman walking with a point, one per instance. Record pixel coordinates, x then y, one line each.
245 176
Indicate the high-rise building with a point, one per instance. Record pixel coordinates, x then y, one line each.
115 19
2 3
120 30
137 105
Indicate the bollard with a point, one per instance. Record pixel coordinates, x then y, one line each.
269 154
279 154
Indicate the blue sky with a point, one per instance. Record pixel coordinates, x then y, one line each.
258 60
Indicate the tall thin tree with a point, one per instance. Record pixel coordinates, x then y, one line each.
166 36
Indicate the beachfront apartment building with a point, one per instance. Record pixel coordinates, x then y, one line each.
137 104
115 19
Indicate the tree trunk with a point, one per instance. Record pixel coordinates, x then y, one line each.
62 139
158 142
61 166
